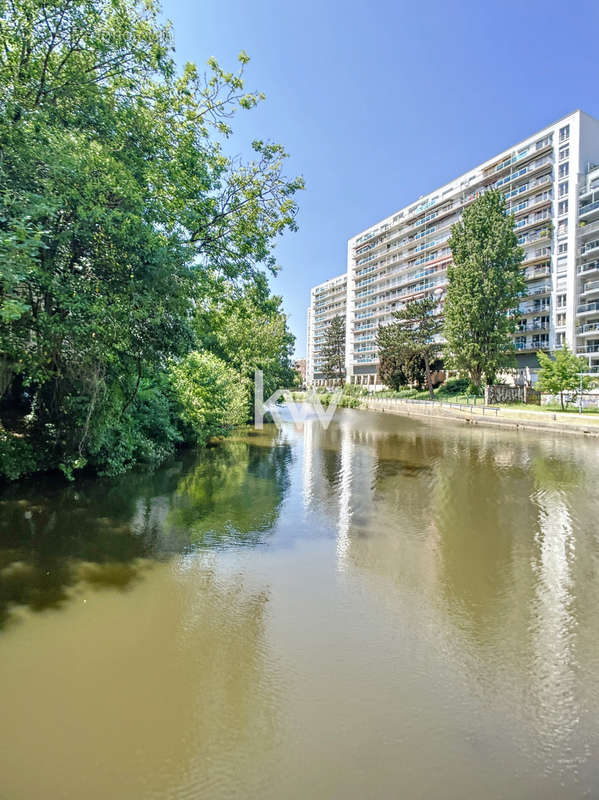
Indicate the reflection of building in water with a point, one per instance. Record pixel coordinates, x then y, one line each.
554 624
345 495
337 473
308 463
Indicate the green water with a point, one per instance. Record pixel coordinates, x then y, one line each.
388 608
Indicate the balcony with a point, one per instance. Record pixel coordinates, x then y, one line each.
588 330
589 269
533 274
590 247
587 228
537 236
590 288
587 308
590 208
534 308
533 326
533 219
591 181
535 255
529 186
534 345
538 290
587 348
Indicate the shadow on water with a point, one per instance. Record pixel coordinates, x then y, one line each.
106 532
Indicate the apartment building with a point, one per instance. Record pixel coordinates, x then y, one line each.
327 300
551 185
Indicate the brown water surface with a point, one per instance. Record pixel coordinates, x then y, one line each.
388 608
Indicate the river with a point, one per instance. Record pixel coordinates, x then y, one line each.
386 608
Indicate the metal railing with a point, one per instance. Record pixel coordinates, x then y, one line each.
588 208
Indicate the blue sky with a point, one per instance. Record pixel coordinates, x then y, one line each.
381 102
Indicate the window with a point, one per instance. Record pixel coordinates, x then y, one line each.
563 247
564 170
564 133
562 228
564 153
560 338
560 320
562 208
563 189
561 300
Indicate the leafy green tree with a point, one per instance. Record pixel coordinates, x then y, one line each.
118 211
246 327
333 350
562 373
412 339
213 400
485 286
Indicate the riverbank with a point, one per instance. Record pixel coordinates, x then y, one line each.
493 416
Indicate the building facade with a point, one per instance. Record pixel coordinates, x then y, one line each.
300 366
551 185
327 301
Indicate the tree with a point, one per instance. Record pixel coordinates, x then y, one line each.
562 373
484 289
412 339
120 212
333 350
212 398
246 327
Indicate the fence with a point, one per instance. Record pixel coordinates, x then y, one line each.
512 417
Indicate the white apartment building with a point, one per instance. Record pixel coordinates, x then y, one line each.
327 300
551 185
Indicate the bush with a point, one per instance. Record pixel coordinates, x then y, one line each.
454 386
354 390
16 456
212 397
147 432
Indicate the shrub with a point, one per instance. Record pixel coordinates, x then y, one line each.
454 386
16 456
211 395
147 432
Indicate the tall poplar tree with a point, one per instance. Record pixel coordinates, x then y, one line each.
485 287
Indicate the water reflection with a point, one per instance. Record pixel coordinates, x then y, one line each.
107 533
152 698
387 607
479 532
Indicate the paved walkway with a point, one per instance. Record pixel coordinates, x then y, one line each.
527 418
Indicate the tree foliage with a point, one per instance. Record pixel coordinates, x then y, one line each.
246 327
562 373
333 350
213 399
485 286
409 345
119 212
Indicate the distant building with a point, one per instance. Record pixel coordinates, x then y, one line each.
551 184
300 366
327 301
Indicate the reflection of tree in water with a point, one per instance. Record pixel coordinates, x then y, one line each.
232 495
483 517
331 466
104 531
